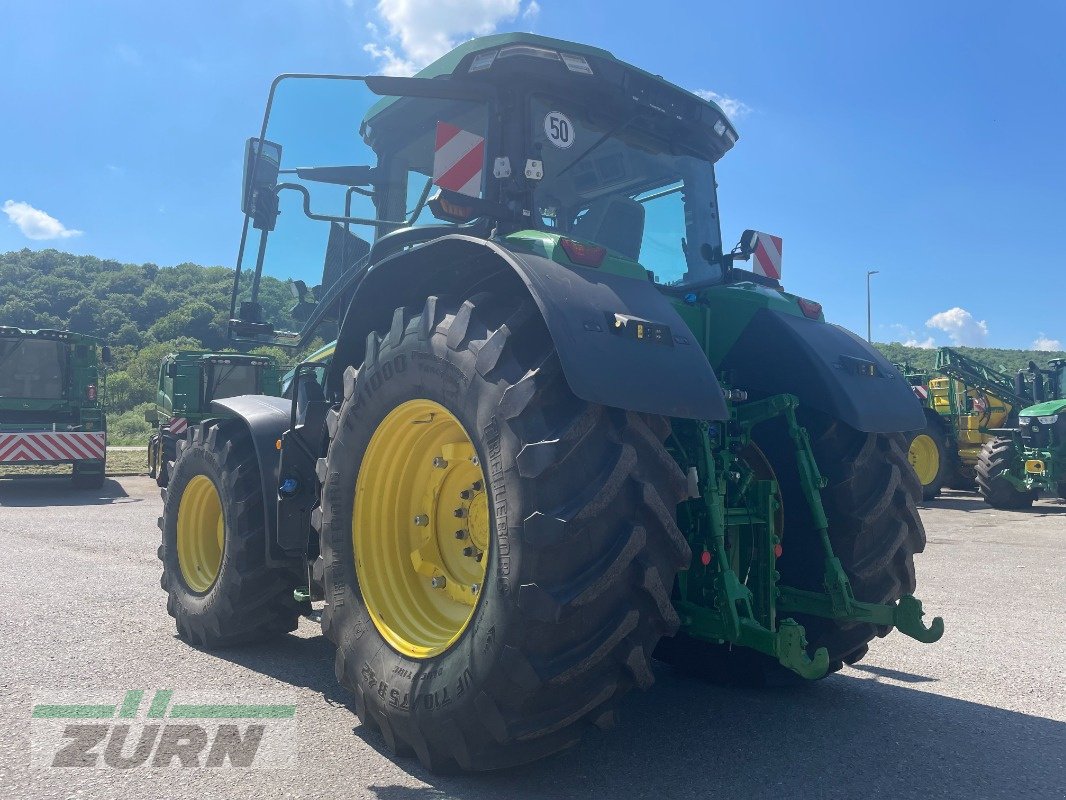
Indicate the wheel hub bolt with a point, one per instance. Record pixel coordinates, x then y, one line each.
422 520
478 557
466 494
438 582
469 550
460 512
440 463
460 534
475 588
476 486
474 460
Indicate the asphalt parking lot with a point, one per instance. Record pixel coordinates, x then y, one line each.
980 714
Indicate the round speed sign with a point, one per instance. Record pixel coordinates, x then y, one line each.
559 129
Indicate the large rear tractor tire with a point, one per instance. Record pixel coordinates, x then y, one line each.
220 589
929 457
875 531
497 554
998 457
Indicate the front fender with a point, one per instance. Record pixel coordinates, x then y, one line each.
266 419
620 341
827 367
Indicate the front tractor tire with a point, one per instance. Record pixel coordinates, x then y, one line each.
497 554
930 458
998 457
220 589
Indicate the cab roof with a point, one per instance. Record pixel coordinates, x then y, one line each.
450 63
11 332
209 356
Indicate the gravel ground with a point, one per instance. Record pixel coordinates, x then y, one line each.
980 714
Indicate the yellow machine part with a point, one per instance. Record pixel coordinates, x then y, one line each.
977 411
421 528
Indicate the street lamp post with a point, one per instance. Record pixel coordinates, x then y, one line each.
869 325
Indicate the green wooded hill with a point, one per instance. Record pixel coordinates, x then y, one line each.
1008 361
144 311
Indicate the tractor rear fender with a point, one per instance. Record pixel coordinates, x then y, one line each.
619 340
827 367
266 419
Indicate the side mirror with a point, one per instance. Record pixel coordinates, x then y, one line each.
262 160
172 370
105 354
746 246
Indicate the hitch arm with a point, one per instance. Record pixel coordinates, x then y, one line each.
905 616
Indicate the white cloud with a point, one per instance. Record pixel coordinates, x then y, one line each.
420 31
960 326
733 108
1043 342
36 224
925 344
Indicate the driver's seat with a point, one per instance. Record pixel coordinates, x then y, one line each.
614 221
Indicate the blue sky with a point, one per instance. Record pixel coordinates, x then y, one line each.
924 140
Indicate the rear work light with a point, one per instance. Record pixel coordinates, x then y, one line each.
90 391
810 309
585 255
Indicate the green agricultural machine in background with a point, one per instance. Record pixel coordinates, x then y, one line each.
189 381
562 430
965 401
52 401
1029 459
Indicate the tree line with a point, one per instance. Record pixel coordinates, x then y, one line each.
145 311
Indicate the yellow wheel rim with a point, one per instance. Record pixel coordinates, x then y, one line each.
420 528
925 458
201 534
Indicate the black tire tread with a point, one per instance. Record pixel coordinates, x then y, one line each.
998 456
592 618
255 600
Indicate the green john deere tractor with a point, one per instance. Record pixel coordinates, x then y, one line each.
52 401
189 381
1021 463
563 429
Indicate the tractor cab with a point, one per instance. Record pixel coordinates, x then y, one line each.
542 145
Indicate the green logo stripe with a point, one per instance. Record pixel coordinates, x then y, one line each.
73 712
131 703
232 712
160 701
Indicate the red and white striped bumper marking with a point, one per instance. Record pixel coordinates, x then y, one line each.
178 425
921 393
458 160
49 446
768 256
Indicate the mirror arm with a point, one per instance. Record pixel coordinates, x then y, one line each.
377 223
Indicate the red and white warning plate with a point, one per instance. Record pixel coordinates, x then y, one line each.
921 393
178 425
49 446
767 256
458 160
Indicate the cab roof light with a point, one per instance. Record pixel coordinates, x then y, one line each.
483 61
528 50
584 255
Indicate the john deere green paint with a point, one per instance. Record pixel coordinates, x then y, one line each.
562 429
189 381
52 401
1023 462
